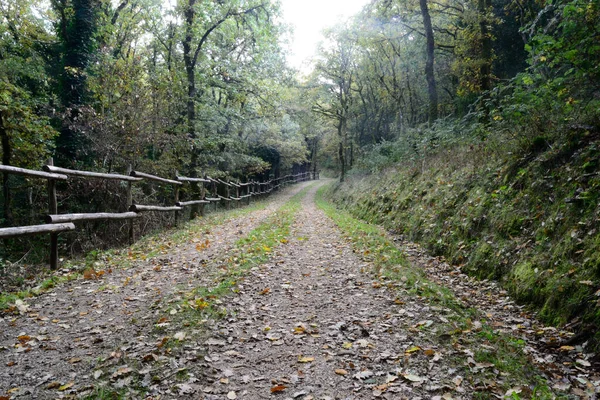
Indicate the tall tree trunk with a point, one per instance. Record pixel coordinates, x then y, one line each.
429 71
190 70
6 155
486 46
342 148
77 30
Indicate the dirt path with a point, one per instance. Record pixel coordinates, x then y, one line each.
322 331
312 323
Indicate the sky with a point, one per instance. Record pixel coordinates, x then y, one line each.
309 18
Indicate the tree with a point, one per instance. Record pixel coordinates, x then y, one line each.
429 71
335 72
25 131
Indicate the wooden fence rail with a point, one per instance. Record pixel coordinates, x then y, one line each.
221 191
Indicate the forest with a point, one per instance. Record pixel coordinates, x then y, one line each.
480 120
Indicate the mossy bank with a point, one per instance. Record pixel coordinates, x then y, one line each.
530 221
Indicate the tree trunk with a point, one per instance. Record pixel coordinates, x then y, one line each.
6 155
486 46
190 69
429 71
342 149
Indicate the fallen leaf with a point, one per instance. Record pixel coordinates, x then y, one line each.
231 395
179 336
53 385
305 360
278 388
24 338
583 363
363 374
21 306
429 352
413 378
162 342
347 345
66 386
265 291
413 349
341 372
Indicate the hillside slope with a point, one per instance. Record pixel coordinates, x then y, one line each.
529 221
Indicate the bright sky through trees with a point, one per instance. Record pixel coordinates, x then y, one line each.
309 18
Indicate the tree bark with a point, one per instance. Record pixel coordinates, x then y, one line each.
486 46
429 71
342 149
190 70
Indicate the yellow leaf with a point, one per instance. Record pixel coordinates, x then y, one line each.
66 386
413 349
341 372
305 360
347 345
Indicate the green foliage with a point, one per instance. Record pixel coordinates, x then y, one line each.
24 87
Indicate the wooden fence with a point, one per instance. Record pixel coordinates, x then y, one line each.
211 190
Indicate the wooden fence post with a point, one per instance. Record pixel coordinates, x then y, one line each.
131 232
176 199
202 197
53 209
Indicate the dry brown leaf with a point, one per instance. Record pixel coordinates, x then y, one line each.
89 274
278 388
265 291
342 372
162 342
566 348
